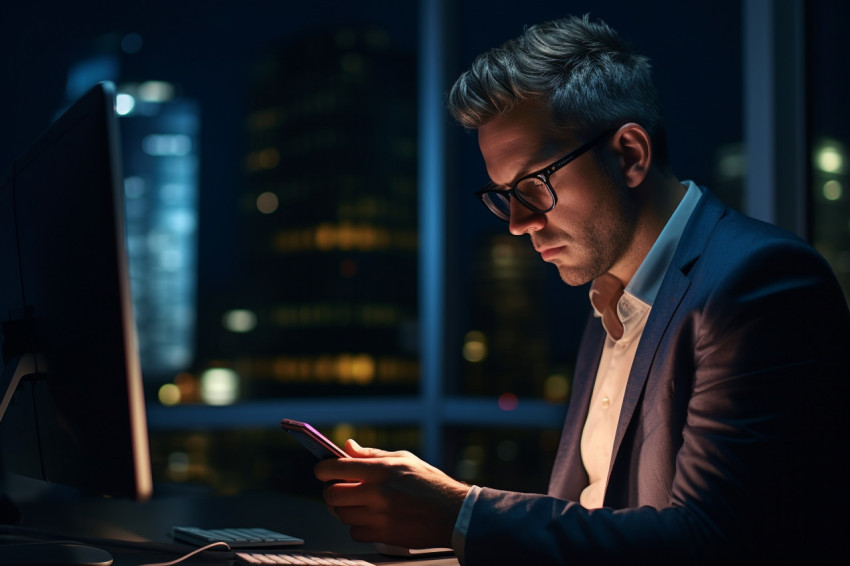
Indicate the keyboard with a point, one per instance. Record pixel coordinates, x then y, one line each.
317 559
235 538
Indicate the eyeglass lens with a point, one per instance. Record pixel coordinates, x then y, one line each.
534 194
531 192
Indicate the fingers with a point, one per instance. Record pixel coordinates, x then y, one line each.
356 451
365 464
343 470
351 495
356 506
394 498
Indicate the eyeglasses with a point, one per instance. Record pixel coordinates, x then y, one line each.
534 190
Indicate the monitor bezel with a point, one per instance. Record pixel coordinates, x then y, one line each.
98 106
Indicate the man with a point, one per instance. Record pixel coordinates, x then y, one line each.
705 421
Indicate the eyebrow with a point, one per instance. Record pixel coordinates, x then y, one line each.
541 159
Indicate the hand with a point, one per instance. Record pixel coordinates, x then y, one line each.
392 497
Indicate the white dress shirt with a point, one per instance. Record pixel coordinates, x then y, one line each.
633 307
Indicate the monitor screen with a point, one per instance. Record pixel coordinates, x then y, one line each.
77 415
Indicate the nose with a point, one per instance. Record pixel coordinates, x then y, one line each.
523 220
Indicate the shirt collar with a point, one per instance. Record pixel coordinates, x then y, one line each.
647 279
639 295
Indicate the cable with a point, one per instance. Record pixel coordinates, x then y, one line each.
193 553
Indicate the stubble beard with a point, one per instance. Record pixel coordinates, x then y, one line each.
599 257
603 243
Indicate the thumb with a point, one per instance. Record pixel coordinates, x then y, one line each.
355 450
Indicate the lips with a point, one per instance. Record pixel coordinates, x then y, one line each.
548 254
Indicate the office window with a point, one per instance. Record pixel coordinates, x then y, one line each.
334 175
316 163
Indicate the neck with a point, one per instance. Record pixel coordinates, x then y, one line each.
659 195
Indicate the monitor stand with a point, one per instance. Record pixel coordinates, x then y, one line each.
19 368
46 553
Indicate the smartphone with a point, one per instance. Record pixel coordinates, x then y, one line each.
312 440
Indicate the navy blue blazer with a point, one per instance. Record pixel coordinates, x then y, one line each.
732 437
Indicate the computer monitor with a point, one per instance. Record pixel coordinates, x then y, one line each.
72 407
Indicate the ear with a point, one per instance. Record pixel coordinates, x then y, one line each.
634 147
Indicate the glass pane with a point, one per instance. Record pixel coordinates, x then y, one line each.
830 89
518 460
270 154
328 202
272 201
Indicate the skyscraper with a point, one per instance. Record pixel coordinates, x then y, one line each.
160 164
329 220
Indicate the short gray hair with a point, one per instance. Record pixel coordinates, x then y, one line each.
591 79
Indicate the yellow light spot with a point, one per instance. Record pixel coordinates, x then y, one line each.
267 203
342 432
363 369
346 236
219 386
475 346
556 388
169 394
268 158
832 190
326 236
830 160
239 320
156 91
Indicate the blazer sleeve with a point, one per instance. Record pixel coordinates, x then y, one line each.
761 345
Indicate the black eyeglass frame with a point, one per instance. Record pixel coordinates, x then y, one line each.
542 174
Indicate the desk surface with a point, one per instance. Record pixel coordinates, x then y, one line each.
150 523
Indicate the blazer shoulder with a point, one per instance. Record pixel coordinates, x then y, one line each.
728 241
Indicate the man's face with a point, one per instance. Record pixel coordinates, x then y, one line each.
592 225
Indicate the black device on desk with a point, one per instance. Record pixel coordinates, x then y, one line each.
72 407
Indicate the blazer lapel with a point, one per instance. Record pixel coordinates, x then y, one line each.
673 289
